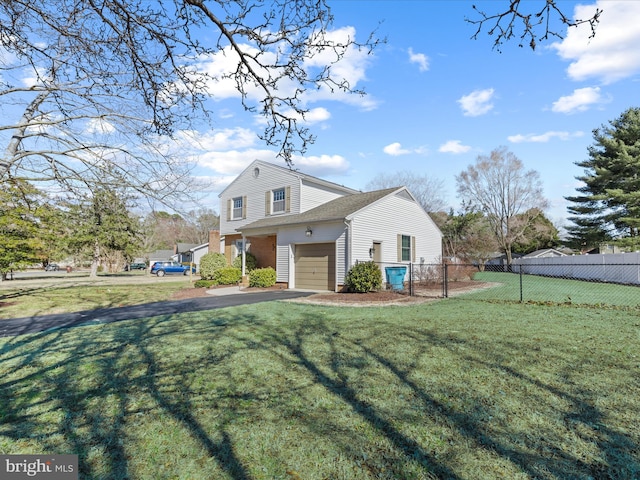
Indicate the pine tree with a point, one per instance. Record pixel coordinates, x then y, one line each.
19 225
609 202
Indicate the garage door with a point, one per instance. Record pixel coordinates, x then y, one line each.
316 266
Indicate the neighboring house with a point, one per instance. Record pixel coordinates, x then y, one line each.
312 231
183 252
160 255
498 262
545 253
197 252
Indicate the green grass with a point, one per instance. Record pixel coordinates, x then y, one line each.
554 290
452 389
66 297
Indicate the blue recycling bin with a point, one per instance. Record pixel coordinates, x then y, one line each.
395 277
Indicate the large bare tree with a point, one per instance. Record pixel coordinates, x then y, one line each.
510 196
110 81
429 191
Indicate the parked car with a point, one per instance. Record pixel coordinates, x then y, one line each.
51 267
136 266
162 268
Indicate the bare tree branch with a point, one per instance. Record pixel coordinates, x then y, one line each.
528 26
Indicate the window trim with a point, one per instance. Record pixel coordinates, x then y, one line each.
270 201
281 202
410 249
239 212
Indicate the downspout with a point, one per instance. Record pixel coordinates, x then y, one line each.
349 246
244 258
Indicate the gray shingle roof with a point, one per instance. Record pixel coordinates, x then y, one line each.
337 209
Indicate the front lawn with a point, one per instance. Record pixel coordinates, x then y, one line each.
52 297
453 389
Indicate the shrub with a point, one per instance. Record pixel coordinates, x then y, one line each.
250 262
364 277
209 263
262 277
204 283
227 276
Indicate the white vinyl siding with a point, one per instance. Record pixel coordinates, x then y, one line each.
255 190
313 195
385 220
301 194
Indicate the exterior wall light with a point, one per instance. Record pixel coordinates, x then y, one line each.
309 232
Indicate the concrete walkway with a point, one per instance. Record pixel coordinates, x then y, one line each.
224 291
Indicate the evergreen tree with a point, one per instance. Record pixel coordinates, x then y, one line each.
609 202
103 226
19 225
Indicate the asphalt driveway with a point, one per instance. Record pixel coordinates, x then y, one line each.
25 325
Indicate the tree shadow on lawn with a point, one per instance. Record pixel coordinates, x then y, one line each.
616 455
80 390
93 420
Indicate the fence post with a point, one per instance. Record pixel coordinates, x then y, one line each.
445 281
411 279
521 283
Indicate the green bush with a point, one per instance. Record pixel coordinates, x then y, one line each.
250 262
204 283
262 277
227 276
209 263
364 277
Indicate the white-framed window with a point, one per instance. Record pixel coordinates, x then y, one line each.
279 200
237 204
406 248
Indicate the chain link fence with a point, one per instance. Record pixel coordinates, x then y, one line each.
584 284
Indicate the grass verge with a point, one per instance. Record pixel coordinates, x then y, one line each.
453 389
67 297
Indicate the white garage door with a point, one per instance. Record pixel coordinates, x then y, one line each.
316 266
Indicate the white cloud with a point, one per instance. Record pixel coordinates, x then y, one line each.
99 126
613 53
314 115
477 102
216 140
351 68
420 59
395 150
227 152
543 137
232 162
579 101
321 165
454 146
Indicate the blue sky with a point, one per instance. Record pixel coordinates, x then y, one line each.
437 99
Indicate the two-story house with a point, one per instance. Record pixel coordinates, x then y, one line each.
312 231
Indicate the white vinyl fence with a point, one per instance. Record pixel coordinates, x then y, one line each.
623 268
